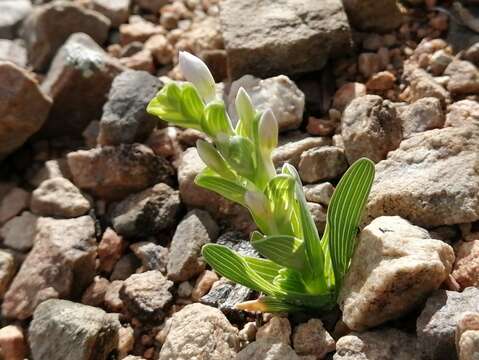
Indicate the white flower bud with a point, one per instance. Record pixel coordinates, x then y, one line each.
268 130
213 159
244 106
195 71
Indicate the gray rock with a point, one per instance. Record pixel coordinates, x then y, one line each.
318 212
430 180
62 329
370 15
61 264
147 295
195 230
13 51
51 169
311 338
146 213
319 193
12 13
292 146
78 82
463 113
395 267
19 232
7 271
266 38
467 336
424 114
464 77
322 163
124 118
24 107
267 350
117 11
58 197
436 326
152 256
377 345
370 128
277 329
279 94
200 332
114 172
48 26
12 203
126 266
422 84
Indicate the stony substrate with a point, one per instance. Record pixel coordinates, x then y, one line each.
101 224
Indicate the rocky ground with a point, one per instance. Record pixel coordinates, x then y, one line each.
101 225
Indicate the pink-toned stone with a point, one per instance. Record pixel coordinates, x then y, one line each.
12 343
466 267
110 249
347 93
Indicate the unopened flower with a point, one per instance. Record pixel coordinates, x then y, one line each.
195 71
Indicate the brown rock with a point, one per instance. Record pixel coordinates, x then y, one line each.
369 64
371 15
161 49
462 113
277 329
113 172
113 302
203 284
467 336
422 84
312 339
292 147
13 203
19 232
464 77
381 81
347 93
61 264
48 26
138 31
322 163
7 271
110 249
466 267
24 107
94 295
141 61
12 343
13 51
116 11
424 114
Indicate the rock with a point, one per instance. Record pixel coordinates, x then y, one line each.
140 30
248 332
322 163
61 264
78 82
437 323
463 112
347 93
146 213
152 256
319 215
321 127
424 114
7 271
126 266
291 148
464 77
51 169
267 350
204 37
377 345
372 16
278 93
277 329
161 49
395 267
13 203
151 5
422 84
147 295
24 105
114 172
110 249
12 14
12 343
264 38
19 232
312 339
368 64
466 267
48 26
439 62
202 332
195 230
140 61
81 332
117 11
370 128
203 284
94 295
58 197
184 290
124 118
112 300
467 336
126 341
430 179
381 81
472 54
319 193
13 51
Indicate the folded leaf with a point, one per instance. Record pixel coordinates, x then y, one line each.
215 120
281 193
228 189
282 249
263 267
344 214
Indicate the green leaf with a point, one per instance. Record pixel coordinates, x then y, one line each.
214 160
240 155
215 121
228 189
263 267
232 266
281 193
344 214
191 102
283 250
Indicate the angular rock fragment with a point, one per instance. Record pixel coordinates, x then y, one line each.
152 256
371 15
12 343
466 267
323 163
146 213
48 26
61 264
63 329
7 271
124 118
265 38
195 230
114 172
267 350
424 114
117 11
291 147
12 13
395 267
13 51
110 249
78 82
19 232
311 338
464 77
431 179
277 329
463 113
200 331
24 107
13 203
467 336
